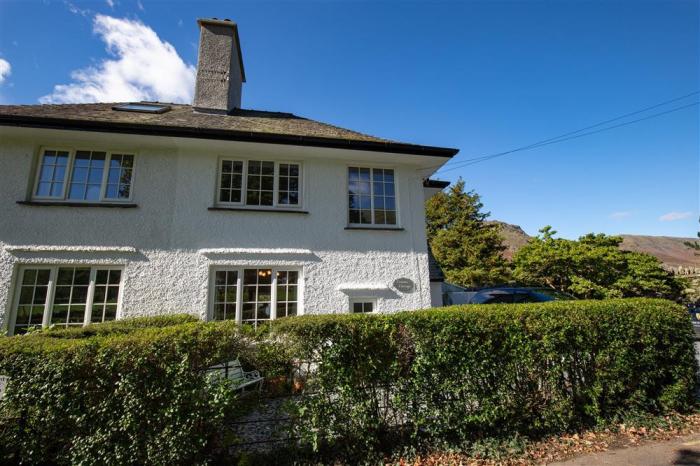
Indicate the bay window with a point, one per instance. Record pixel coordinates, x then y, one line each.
255 295
65 296
259 183
84 176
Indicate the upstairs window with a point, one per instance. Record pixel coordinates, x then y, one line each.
371 196
259 183
84 176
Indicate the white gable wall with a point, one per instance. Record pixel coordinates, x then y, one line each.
172 232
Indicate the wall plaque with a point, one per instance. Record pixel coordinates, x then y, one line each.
404 285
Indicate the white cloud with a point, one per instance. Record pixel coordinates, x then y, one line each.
5 70
144 67
671 216
110 3
139 5
620 215
73 8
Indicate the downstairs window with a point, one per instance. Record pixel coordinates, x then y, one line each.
65 296
255 295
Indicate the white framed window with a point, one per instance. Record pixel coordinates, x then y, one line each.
362 305
65 296
231 181
84 176
255 294
259 183
288 186
371 196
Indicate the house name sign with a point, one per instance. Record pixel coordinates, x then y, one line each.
404 285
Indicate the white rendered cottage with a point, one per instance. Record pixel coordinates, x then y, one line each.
133 209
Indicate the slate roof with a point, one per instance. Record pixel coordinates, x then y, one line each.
434 270
182 121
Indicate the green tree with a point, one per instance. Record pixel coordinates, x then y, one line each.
468 249
593 267
694 244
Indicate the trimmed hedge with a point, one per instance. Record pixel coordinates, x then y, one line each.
450 376
119 326
134 391
139 397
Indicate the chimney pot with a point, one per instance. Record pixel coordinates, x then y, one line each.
220 73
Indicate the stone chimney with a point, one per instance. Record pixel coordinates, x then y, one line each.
220 74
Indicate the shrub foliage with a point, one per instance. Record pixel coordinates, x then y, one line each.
445 377
135 392
124 395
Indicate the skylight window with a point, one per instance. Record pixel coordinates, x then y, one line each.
142 107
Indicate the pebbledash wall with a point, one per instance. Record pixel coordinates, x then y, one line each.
169 244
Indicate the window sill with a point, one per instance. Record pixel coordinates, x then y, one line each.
247 209
375 228
78 204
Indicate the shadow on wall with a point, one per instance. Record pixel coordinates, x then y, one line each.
102 257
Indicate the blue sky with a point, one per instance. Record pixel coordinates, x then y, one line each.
482 76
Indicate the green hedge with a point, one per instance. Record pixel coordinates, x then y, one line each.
116 398
119 326
457 374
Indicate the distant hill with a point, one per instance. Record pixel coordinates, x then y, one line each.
669 250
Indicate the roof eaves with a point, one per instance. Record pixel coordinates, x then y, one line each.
437 184
220 134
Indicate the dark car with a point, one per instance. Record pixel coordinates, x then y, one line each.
695 319
517 295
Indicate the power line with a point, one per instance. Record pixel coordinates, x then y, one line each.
476 160
570 135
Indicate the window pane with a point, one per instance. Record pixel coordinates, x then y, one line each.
225 294
231 181
256 295
29 277
369 201
43 189
106 295
52 173
119 178
288 185
266 198
70 296
32 297
93 192
86 178
260 183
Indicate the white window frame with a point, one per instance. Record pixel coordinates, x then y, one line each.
48 305
239 285
69 175
244 185
37 173
356 300
380 226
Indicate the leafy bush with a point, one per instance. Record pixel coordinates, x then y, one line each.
456 375
119 326
139 397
